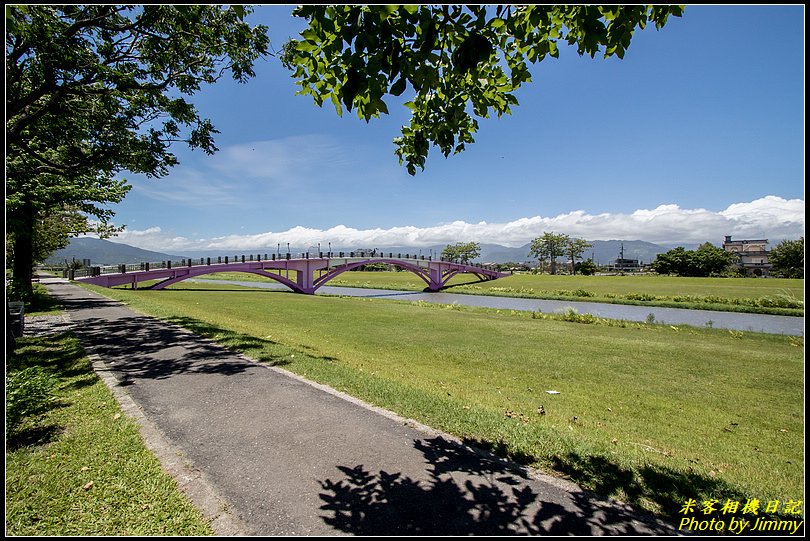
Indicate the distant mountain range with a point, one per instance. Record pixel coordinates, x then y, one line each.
104 252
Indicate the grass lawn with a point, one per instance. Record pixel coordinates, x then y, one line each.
649 414
80 468
772 295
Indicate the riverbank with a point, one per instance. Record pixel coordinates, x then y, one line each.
765 323
774 296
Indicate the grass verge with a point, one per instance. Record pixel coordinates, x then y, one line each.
79 467
652 415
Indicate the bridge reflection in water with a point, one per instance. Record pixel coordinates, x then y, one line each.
302 275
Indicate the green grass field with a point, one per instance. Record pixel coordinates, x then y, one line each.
772 295
648 414
80 468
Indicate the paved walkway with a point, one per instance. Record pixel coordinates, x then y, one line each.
263 452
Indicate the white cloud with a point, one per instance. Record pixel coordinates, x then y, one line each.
770 217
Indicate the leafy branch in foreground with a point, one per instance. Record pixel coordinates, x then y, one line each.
460 62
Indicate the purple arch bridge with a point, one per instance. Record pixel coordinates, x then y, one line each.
303 275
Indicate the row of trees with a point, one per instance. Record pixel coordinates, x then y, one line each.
548 247
786 259
552 245
94 91
707 260
461 252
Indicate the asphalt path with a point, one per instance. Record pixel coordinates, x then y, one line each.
262 451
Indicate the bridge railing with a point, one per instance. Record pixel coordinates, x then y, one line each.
96 270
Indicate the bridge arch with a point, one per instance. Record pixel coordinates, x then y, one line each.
202 271
337 271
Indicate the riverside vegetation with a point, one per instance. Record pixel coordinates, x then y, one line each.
649 414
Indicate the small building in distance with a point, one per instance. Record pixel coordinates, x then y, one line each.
752 255
623 264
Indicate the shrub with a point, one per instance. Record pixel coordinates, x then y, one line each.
640 297
583 293
29 391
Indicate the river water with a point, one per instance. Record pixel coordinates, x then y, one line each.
670 316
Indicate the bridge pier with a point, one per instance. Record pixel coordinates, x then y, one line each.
305 270
435 275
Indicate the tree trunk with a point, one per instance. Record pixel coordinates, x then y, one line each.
23 250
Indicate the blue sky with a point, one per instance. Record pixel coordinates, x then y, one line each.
697 133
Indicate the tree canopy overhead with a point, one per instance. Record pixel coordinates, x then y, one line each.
94 90
460 63
118 73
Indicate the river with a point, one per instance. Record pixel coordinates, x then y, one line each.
666 316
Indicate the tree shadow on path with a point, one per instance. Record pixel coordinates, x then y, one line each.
466 494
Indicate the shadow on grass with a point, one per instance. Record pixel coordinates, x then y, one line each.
58 353
32 436
254 347
41 301
61 358
650 486
667 488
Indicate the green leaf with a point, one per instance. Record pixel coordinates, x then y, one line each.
349 89
336 102
399 87
387 11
